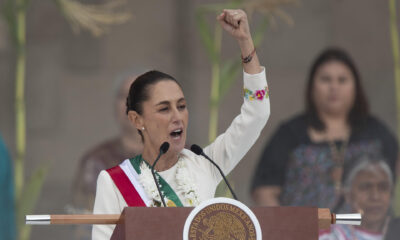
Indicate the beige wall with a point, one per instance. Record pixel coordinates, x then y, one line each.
70 78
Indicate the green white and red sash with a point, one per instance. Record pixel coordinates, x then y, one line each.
126 178
127 181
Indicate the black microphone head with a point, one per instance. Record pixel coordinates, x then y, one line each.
164 147
196 149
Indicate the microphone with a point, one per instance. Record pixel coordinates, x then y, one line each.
163 149
199 151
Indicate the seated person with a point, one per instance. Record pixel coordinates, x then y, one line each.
368 189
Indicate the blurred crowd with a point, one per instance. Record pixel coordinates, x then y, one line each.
334 155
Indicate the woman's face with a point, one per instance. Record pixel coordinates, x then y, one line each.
165 116
334 88
371 193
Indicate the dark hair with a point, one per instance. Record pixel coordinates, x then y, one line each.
360 109
139 90
360 163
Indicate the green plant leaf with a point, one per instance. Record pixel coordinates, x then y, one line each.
8 10
228 75
25 4
216 7
206 36
28 200
394 34
31 193
260 32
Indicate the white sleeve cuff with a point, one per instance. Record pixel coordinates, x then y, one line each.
255 81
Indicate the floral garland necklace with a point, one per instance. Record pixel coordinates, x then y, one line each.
186 186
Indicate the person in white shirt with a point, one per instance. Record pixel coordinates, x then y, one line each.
156 106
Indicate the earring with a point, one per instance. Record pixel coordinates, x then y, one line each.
142 128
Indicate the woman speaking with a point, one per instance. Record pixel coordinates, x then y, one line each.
156 106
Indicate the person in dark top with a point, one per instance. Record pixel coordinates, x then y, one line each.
303 162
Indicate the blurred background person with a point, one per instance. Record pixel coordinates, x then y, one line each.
302 164
103 156
7 210
107 154
368 189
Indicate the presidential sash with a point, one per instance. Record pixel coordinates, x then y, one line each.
126 178
165 188
127 182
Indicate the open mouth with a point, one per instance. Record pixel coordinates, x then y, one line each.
176 133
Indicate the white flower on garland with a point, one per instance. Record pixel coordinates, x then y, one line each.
149 186
186 187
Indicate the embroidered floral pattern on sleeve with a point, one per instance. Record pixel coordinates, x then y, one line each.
257 94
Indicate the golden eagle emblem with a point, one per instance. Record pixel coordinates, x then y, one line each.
223 226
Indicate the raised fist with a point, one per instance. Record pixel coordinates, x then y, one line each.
235 22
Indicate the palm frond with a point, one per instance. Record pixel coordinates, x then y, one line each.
270 8
94 18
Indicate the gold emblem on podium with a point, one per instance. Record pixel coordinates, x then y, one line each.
222 221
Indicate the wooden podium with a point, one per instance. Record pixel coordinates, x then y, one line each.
277 223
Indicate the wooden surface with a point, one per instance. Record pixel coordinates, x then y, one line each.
324 218
281 223
85 219
287 223
151 223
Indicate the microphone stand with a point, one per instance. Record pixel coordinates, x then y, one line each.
154 173
199 151
222 174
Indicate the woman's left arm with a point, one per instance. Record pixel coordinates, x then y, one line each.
230 147
235 22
